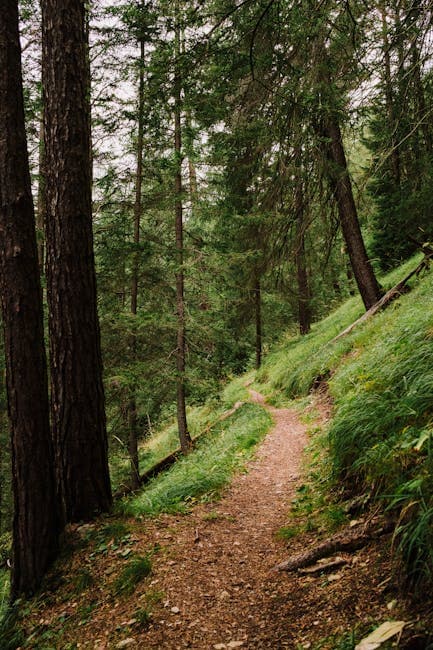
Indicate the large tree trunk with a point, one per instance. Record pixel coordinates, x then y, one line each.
36 521
342 188
77 394
40 213
184 436
132 407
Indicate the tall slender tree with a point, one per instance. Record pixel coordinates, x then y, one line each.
132 405
35 525
184 435
77 394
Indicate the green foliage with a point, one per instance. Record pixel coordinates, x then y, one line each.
204 472
380 437
82 580
11 633
287 533
299 363
131 575
5 548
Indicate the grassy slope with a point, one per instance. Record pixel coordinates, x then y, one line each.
202 474
165 440
381 379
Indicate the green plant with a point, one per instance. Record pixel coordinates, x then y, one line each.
82 580
131 575
203 473
5 548
85 611
287 532
143 617
11 632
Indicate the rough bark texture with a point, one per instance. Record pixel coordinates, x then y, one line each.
78 416
347 541
132 408
184 435
258 317
35 525
342 188
304 311
40 213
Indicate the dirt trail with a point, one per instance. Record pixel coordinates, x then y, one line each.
214 573
218 583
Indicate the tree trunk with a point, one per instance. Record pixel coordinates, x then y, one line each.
132 408
304 312
77 394
258 317
40 213
184 436
36 521
342 188
390 102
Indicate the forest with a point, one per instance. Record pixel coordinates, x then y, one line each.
215 229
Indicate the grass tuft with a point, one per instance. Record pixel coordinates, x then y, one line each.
131 575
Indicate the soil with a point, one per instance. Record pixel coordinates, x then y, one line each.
214 573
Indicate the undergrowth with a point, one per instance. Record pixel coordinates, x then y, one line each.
165 440
380 377
203 473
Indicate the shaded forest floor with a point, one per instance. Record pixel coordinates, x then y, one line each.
212 583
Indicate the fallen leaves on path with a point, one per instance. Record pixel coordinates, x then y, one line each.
212 579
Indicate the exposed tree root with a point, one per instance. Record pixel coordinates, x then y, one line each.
349 540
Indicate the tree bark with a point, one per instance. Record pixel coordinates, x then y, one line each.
77 394
36 521
184 435
304 312
258 317
347 541
132 407
389 98
342 188
40 213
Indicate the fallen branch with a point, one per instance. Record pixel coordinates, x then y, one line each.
348 541
389 296
173 456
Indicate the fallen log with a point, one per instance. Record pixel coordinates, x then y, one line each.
389 296
348 541
173 456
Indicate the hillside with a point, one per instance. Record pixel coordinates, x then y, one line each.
366 404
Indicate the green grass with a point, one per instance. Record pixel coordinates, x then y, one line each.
298 362
203 473
381 435
131 575
165 440
380 440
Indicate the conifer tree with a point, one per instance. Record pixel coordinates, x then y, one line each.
77 394
36 513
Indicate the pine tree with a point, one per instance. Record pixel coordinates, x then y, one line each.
77 394
36 520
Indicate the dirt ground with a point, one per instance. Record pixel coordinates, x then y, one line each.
216 579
